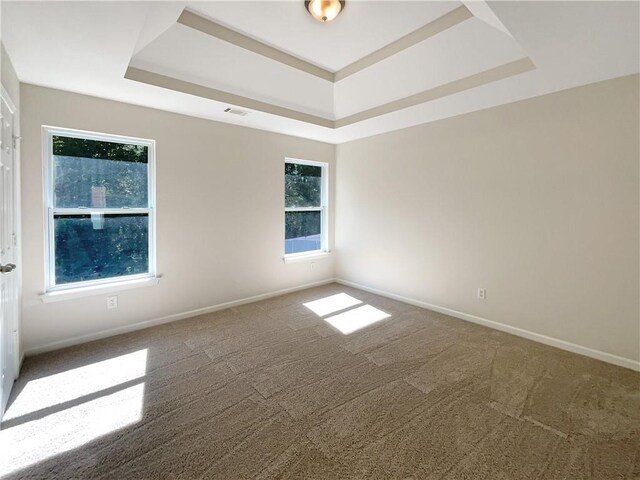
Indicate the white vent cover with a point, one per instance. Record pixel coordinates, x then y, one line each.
235 111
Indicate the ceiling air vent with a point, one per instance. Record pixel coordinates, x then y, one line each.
235 111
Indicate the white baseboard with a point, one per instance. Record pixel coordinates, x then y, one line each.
159 321
536 337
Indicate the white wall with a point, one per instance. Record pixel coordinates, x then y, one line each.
220 217
537 201
9 77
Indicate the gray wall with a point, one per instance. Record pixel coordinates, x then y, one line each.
537 201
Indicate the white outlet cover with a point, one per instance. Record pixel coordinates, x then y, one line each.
112 302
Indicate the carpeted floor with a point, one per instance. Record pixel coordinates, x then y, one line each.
275 389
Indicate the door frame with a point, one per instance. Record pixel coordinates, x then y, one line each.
15 141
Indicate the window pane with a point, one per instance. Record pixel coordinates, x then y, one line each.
302 231
92 247
302 185
91 173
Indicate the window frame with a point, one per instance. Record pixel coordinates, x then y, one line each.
323 209
48 132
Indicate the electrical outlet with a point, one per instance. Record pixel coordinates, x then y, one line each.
112 302
482 294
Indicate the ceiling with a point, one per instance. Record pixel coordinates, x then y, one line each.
367 27
380 66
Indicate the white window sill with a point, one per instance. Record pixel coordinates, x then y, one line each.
71 293
301 257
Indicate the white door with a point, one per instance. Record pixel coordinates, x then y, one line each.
8 253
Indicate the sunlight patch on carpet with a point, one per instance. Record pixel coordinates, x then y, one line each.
41 439
356 319
332 304
76 383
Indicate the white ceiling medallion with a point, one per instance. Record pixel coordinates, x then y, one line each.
324 10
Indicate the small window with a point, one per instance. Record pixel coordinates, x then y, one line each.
100 222
305 201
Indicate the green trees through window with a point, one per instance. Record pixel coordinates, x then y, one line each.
303 207
100 212
117 247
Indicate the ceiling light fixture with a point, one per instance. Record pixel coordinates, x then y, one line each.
324 10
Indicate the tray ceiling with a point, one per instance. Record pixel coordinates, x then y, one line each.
367 27
378 67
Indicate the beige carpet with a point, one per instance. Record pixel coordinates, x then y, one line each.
275 389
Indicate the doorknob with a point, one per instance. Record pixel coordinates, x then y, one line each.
8 268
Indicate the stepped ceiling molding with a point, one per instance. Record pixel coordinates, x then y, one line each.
379 66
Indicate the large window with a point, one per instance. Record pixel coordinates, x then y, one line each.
305 194
99 198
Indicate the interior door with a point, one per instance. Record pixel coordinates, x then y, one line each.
8 253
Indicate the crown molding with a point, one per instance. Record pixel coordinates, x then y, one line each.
440 24
204 25
472 81
171 83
